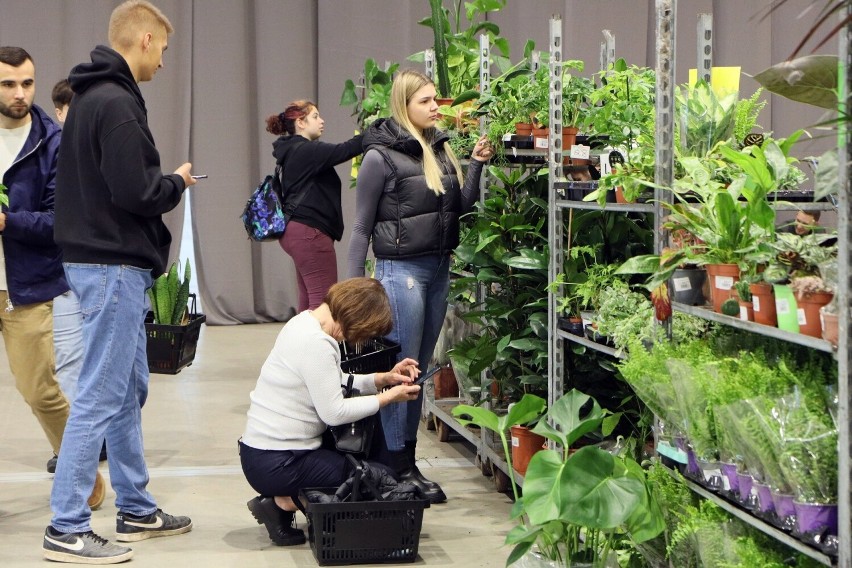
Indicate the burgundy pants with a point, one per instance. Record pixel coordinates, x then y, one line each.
316 263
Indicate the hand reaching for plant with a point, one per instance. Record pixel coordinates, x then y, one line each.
482 151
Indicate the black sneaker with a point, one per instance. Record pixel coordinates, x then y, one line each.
280 524
82 548
51 464
130 528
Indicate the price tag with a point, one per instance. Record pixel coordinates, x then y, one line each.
580 152
516 442
724 282
682 284
507 138
782 306
756 301
743 313
803 319
541 143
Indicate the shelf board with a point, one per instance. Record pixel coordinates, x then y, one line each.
768 331
497 460
595 206
443 410
590 344
761 525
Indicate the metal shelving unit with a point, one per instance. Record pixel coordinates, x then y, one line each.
665 65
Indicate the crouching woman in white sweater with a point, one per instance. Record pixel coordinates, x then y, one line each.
298 395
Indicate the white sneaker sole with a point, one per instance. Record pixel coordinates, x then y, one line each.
137 536
57 556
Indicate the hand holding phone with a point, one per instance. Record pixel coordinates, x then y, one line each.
425 376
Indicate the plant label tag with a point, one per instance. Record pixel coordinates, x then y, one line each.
516 442
756 301
682 284
580 152
724 282
507 138
803 319
743 313
541 143
782 306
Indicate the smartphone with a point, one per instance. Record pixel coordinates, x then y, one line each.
425 376
199 177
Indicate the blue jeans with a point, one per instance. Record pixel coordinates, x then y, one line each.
68 342
417 289
112 389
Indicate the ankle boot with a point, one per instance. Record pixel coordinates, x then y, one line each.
403 464
410 447
280 524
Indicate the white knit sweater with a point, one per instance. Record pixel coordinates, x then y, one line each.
298 392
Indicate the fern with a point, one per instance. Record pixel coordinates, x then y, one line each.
746 113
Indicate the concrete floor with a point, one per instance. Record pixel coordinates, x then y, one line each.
192 421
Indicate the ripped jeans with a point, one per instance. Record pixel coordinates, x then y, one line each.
417 289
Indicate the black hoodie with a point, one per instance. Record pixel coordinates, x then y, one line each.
110 190
309 178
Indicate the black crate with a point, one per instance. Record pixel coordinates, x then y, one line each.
172 347
364 532
373 356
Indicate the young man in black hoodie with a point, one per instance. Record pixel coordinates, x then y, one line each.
110 197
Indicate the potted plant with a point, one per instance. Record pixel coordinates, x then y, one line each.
172 325
375 101
456 34
506 249
590 491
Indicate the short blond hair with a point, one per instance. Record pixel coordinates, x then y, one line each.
132 17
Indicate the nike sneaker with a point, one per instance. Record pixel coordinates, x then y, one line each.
82 548
130 528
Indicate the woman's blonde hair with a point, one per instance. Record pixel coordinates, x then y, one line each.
132 17
405 84
361 307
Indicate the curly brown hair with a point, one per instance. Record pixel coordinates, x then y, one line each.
361 307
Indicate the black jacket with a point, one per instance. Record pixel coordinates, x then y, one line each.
411 220
110 191
33 261
308 171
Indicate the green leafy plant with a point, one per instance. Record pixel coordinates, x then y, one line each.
4 196
590 490
506 252
456 32
375 102
705 118
169 296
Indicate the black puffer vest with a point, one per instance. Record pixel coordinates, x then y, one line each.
411 220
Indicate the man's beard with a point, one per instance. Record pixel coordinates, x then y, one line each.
16 112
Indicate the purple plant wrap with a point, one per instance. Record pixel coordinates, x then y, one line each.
812 517
729 470
745 481
764 498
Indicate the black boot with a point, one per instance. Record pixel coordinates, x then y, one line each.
410 447
280 524
403 464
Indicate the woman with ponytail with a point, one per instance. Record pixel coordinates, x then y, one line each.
409 196
312 196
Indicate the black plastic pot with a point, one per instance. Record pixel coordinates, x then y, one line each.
686 286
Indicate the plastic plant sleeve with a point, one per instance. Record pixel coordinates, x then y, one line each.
809 445
688 382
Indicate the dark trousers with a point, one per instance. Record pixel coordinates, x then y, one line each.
316 263
285 472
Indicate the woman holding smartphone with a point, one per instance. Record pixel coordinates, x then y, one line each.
312 196
409 197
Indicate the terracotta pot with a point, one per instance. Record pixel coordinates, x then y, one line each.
829 326
722 278
763 298
569 138
809 305
525 444
746 311
523 128
619 195
446 385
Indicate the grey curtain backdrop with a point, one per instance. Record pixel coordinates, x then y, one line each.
231 63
